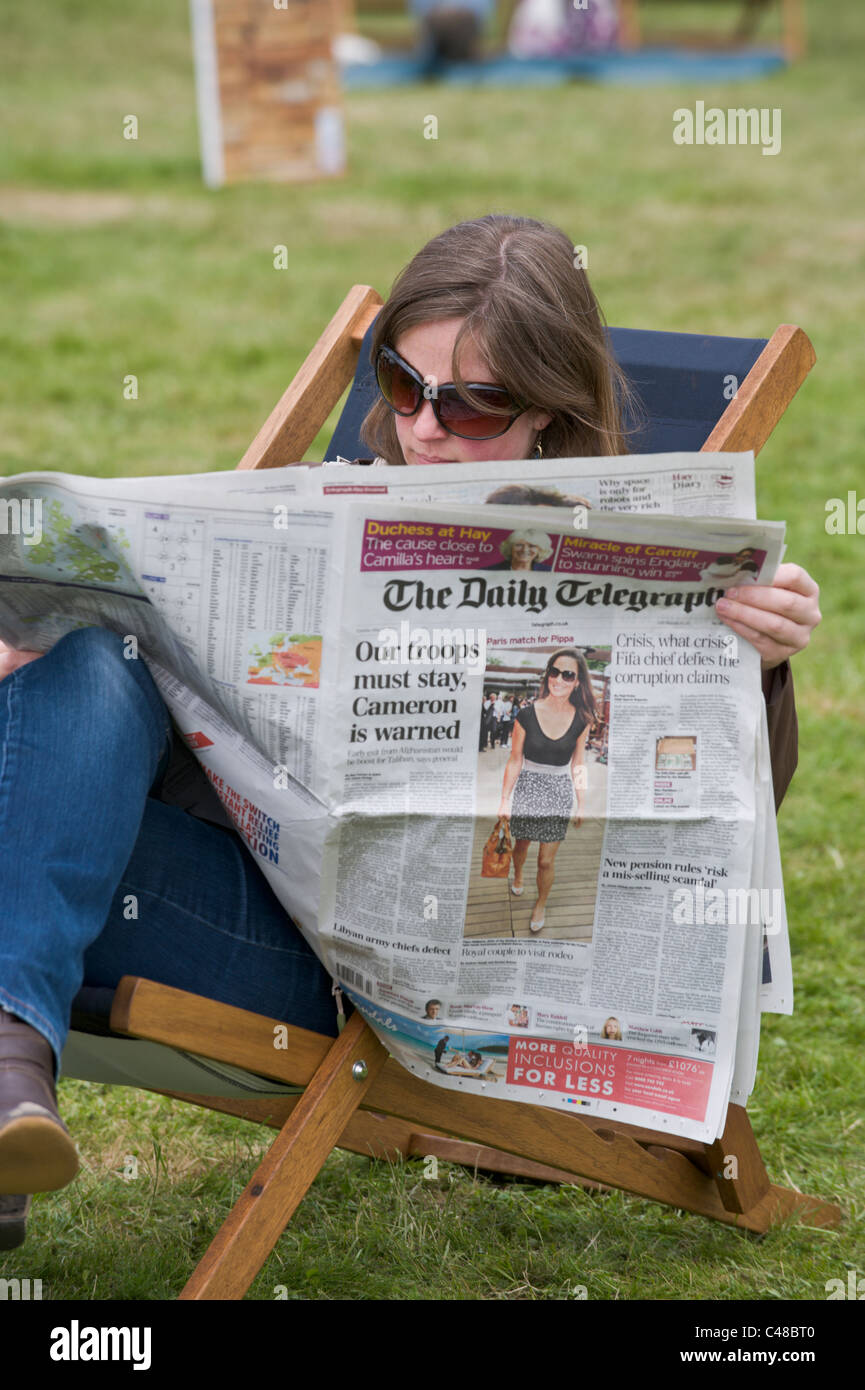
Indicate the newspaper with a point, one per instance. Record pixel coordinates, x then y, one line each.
278 618
681 484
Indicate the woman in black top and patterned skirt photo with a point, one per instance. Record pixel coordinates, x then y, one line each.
546 770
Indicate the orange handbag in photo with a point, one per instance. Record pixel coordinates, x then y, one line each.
497 851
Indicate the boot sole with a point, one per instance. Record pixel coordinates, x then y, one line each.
36 1155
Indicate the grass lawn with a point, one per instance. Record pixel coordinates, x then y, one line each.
116 260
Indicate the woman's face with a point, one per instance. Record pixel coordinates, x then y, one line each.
561 689
428 347
523 555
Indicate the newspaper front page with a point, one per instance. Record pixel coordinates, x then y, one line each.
276 618
626 1001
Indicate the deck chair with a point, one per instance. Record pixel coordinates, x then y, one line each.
751 13
319 1092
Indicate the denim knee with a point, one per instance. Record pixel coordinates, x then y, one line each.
120 684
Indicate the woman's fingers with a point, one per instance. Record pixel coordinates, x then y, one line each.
796 578
776 618
764 624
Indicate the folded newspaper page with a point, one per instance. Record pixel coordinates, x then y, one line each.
292 633
681 484
684 484
626 1001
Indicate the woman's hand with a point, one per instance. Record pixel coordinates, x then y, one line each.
504 812
577 817
10 660
777 618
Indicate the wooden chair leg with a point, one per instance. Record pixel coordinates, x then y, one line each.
736 1164
278 1185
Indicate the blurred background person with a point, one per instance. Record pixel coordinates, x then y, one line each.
451 32
488 721
560 28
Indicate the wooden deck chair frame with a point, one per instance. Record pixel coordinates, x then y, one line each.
750 14
357 1098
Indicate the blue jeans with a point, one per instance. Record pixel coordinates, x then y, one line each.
84 738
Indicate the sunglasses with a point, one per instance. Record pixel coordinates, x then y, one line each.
553 672
405 390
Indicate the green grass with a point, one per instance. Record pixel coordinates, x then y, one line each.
115 260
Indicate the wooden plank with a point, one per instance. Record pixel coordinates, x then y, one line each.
383 1136
602 1152
605 1154
145 1009
765 393
784 1204
367 1133
304 406
281 1180
743 35
737 1164
647 1162
493 1160
224 1033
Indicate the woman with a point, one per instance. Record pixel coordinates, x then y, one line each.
612 1030
525 550
506 358
101 805
542 779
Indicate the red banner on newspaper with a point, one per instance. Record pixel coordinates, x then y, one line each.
673 1085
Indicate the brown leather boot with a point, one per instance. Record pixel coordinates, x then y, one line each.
36 1149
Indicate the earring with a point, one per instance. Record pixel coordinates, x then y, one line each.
539 452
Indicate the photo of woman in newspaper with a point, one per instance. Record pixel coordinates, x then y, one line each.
528 549
538 784
545 773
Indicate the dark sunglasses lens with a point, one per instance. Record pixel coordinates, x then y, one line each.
473 421
397 387
569 676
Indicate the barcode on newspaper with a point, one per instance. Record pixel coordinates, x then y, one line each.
354 977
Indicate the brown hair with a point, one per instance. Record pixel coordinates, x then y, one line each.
527 304
582 697
521 494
